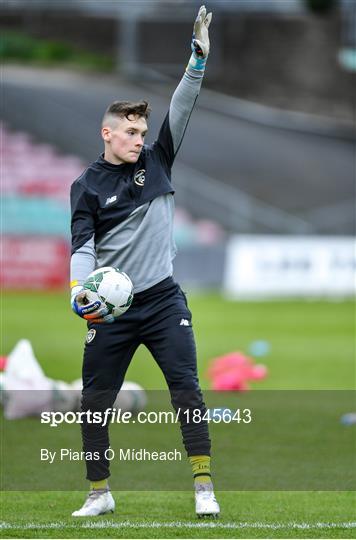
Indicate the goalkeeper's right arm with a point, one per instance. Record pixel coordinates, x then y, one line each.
85 303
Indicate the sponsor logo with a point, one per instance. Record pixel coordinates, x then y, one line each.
93 307
140 177
90 335
184 322
110 200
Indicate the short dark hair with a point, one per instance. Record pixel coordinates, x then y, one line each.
124 109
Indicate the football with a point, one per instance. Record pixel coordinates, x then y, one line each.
114 288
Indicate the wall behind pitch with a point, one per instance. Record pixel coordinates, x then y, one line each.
259 267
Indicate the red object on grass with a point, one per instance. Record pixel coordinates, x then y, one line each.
233 371
3 362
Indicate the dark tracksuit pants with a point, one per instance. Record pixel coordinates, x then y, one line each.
154 320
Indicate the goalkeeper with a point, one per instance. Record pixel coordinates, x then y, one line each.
122 216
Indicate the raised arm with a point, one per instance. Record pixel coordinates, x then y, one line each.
187 91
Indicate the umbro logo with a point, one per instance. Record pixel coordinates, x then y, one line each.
184 322
140 177
110 200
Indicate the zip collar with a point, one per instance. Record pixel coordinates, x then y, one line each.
123 167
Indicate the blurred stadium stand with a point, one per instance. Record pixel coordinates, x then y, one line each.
243 172
249 164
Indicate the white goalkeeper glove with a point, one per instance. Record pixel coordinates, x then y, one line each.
200 40
88 305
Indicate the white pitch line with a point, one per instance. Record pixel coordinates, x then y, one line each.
77 524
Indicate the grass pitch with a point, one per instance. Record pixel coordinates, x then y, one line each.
170 515
311 348
312 343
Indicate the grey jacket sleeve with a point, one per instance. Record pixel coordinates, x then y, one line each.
182 103
175 123
83 208
82 263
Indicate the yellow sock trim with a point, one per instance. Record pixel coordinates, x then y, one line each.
100 484
201 468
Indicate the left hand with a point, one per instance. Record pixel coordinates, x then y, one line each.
88 305
200 40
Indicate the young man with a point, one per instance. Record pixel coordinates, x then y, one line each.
122 216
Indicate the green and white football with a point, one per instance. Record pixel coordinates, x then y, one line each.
114 288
